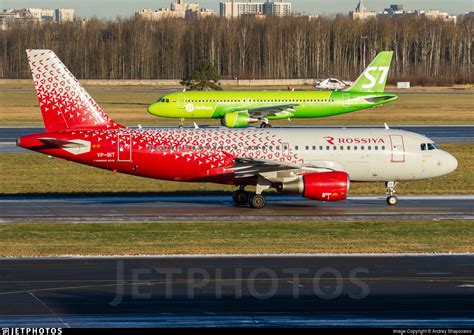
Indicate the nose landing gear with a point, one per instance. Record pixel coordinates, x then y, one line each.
392 199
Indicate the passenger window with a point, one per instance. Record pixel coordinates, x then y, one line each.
355 147
362 148
334 148
376 148
348 148
270 148
342 148
151 148
314 147
369 148
296 147
277 147
327 147
320 147
383 147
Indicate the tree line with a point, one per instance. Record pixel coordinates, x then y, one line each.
426 51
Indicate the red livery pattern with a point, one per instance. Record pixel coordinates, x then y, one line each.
171 154
64 103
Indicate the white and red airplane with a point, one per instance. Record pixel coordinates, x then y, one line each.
315 162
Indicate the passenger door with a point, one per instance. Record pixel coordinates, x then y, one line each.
346 101
181 100
124 148
398 148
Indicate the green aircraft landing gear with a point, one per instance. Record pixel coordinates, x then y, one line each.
265 124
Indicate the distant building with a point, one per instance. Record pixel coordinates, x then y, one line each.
21 17
277 8
200 14
64 15
436 14
234 9
178 9
361 12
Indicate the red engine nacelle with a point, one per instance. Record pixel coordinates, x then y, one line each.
327 186
324 186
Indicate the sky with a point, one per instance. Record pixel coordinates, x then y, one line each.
125 8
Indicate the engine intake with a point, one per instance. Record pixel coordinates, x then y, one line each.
237 119
324 186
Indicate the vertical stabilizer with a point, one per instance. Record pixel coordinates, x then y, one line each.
64 103
374 77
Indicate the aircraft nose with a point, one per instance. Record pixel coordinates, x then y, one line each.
451 163
154 108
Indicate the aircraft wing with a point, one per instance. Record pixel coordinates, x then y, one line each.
276 110
250 167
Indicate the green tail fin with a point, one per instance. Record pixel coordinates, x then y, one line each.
374 77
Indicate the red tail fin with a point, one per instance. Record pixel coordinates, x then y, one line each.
64 103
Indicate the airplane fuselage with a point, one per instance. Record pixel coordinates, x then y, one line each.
208 154
308 104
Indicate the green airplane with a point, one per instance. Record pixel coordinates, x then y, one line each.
238 109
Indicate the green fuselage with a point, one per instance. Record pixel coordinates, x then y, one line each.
305 104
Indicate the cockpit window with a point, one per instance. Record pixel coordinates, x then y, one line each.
160 100
428 146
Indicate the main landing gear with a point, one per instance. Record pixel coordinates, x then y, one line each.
242 198
265 124
181 123
255 200
392 199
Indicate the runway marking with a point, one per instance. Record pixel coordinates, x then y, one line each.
184 281
434 273
49 309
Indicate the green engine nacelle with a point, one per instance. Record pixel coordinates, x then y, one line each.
236 120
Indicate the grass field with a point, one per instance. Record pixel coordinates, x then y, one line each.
32 173
127 105
35 239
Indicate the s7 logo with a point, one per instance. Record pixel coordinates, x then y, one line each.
373 80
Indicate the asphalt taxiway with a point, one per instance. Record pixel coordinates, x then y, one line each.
440 134
220 207
242 291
